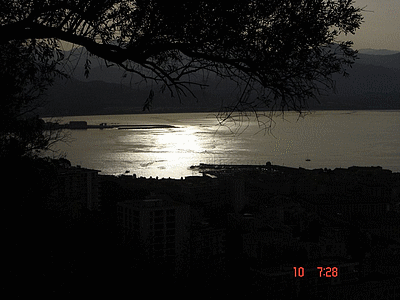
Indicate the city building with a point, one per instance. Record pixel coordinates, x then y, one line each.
206 197
265 246
74 189
375 287
207 248
158 230
80 185
346 207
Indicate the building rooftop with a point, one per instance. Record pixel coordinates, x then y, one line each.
151 202
77 169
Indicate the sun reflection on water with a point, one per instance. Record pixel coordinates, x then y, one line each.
165 151
182 140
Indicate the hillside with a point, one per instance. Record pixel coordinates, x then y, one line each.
75 97
374 83
377 51
391 61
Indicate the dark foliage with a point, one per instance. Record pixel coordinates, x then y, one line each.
281 53
27 69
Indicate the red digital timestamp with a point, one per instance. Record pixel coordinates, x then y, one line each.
323 271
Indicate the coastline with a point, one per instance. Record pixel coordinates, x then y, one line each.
79 125
164 112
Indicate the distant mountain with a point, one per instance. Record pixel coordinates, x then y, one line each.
391 61
374 83
75 97
377 51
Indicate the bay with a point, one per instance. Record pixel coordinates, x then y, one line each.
321 139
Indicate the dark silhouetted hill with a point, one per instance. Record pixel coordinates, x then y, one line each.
377 51
374 83
391 61
367 87
74 97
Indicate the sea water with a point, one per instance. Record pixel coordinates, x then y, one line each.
321 139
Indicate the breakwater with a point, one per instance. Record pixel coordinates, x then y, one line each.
84 125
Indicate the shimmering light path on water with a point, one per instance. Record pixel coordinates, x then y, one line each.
329 139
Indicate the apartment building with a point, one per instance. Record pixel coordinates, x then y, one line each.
74 189
159 230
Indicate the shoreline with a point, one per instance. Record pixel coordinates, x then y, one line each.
215 112
82 125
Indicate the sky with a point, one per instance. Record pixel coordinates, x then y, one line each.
381 26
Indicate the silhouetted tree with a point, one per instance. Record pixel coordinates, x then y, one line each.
280 52
27 68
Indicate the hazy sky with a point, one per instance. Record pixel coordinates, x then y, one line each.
381 27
